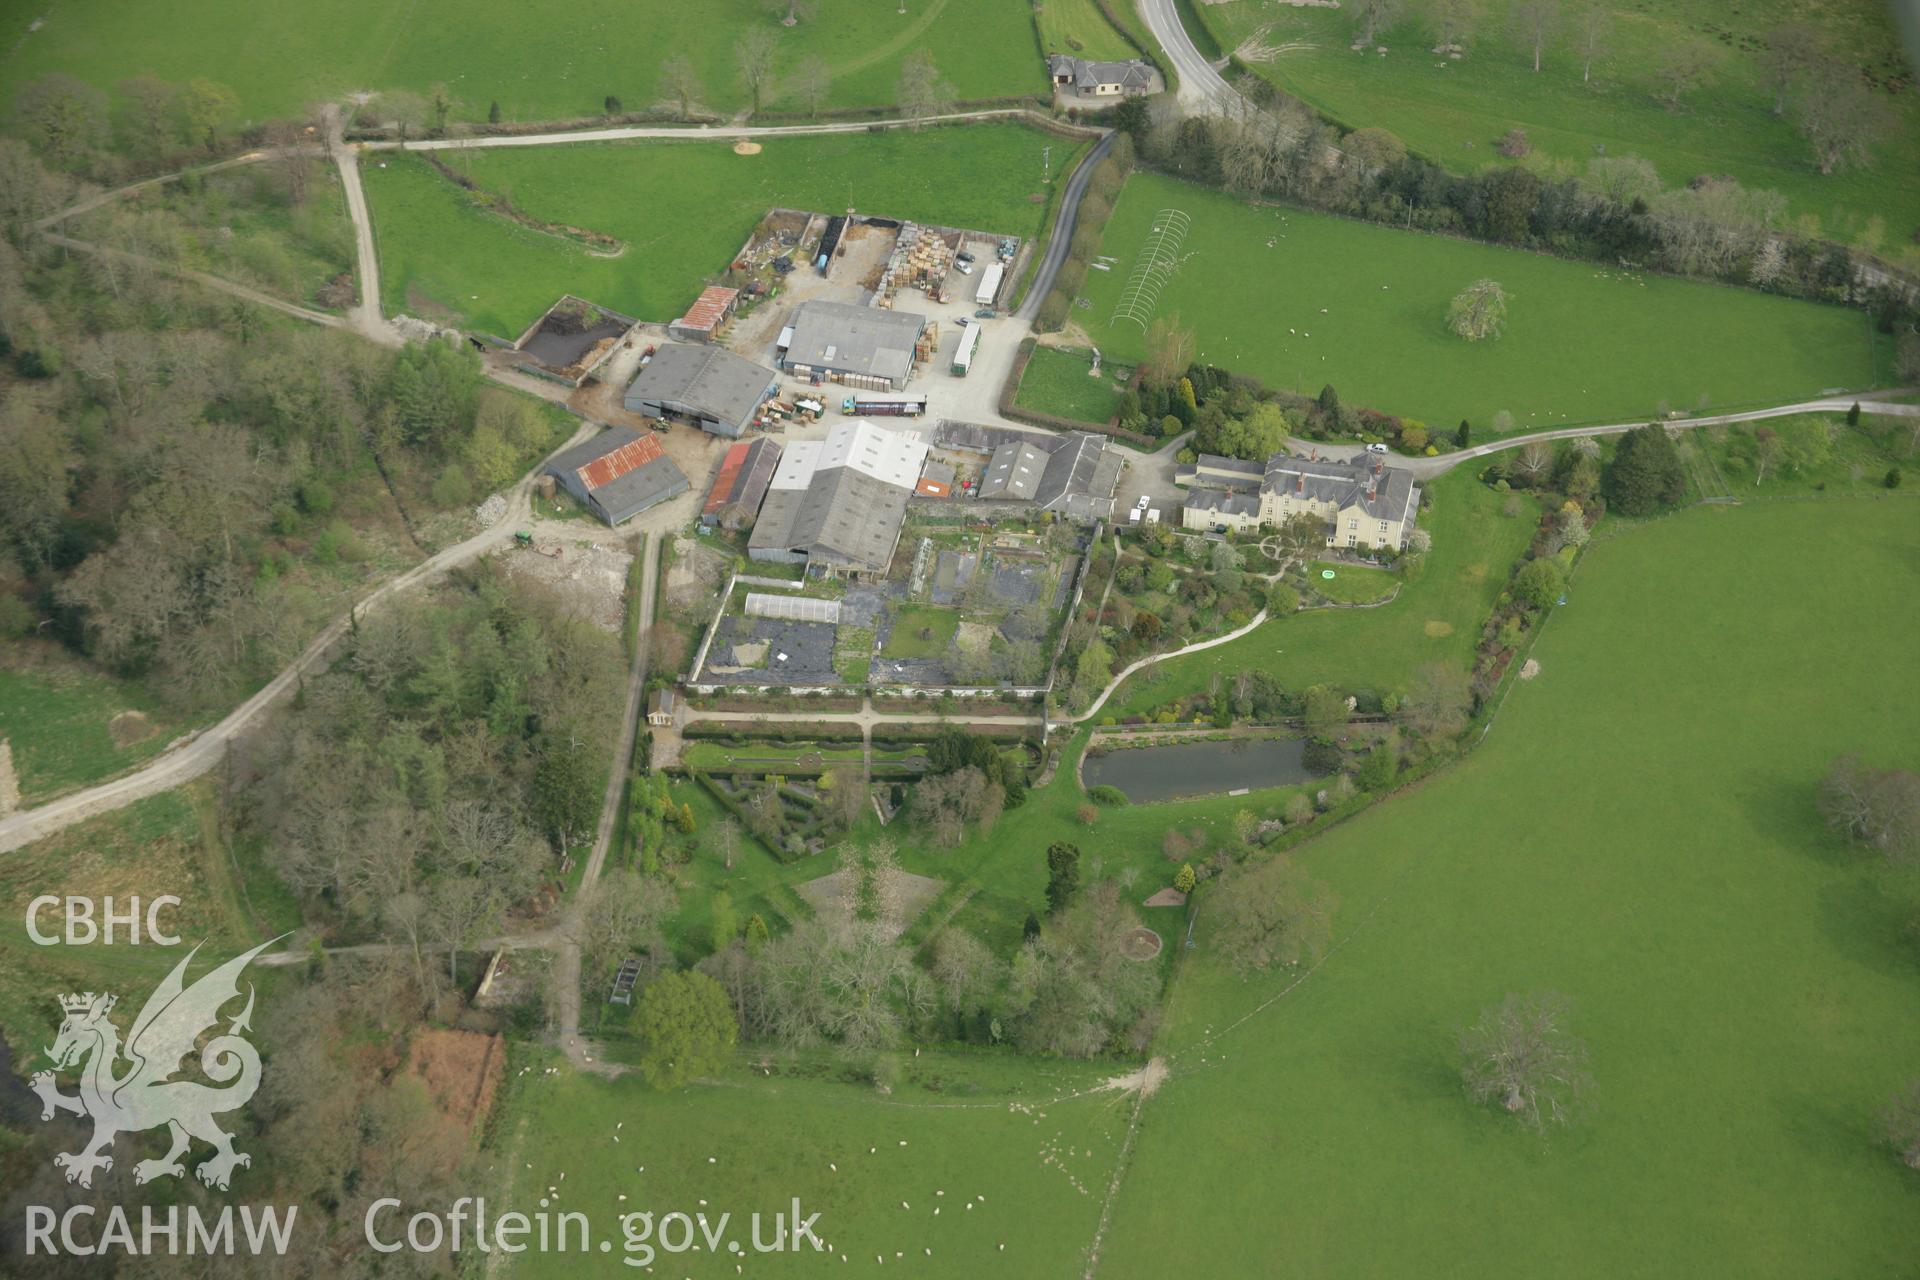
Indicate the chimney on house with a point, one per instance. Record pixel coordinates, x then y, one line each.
1300 482
1372 493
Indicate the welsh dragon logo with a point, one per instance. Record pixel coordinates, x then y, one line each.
145 1095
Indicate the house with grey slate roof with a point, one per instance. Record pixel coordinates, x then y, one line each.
1365 504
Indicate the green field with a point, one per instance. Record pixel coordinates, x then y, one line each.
1638 832
1454 111
538 61
58 713
1583 343
1056 381
1436 617
1077 27
957 1129
682 210
165 844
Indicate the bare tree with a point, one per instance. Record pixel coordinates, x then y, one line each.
1792 50
680 82
624 912
1375 16
1534 462
1590 28
791 11
1452 22
1899 1124
1437 701
1684 67
966 972
1840 118
1272 913
1521 1055
924 92
729 839
1877 808
1536 21
754 55
847 792
812 81
1169 349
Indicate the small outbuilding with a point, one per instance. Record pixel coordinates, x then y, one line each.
707 316
618 474
661 704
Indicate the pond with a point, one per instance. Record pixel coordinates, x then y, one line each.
1147 774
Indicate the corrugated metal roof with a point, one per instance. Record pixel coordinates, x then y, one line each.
722 491
609 467
709 309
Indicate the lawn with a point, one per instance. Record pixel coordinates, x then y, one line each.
58 714
1363 307
1351 583
1454 111
1078 27
1057 381
538 61
1436 617
681 209
1638 832
891 1177
921 631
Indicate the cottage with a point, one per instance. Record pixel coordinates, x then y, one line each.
1080 78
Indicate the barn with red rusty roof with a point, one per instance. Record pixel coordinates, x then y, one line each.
741 486
618 474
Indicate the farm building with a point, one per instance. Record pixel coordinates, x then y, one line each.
711 387
861 346
1072 476
745 471
836 505
1013 473
709 312
1080 78
618 474
1365 503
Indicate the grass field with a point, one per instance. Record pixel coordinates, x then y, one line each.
1436 617
957 1129
905 640
1077 27
540 61
166 844
1582 344
1454 111
1056 382
681 209
57 713
1743 983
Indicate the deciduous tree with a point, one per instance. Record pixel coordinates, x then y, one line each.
680 82
755 54
1478 311
1271 912
1535 22
923 91
1521 1055
1878 809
